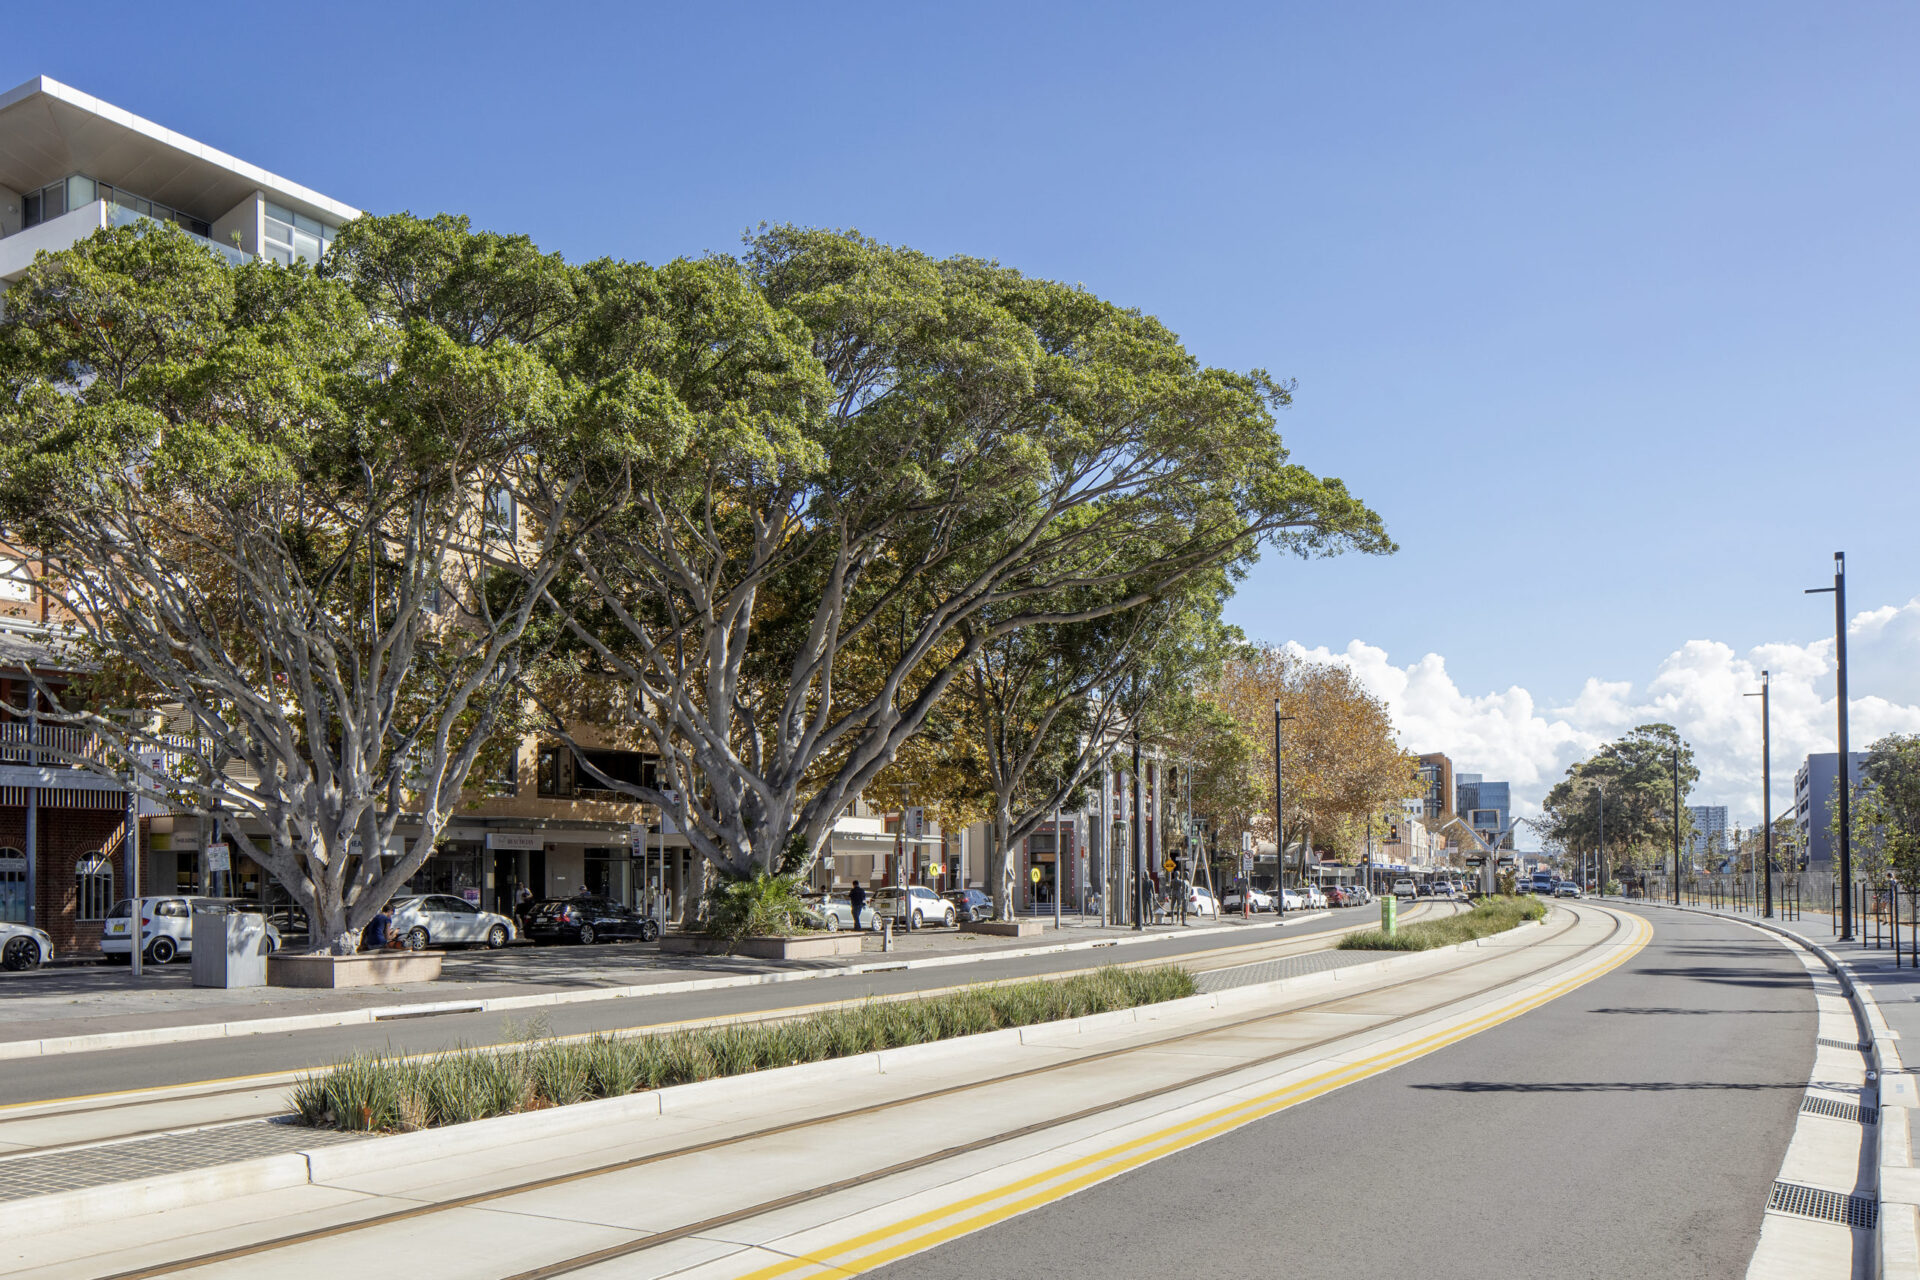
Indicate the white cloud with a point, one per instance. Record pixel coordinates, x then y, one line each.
1700 687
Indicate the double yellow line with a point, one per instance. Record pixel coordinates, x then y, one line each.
937 1226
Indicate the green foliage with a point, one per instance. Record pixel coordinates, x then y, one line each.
1489 916
1635 776
384 1093
1885 811
757 905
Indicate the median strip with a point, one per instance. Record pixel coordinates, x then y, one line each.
1488 917
389 1093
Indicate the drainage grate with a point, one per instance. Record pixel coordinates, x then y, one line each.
1831 1043
1824 1206
1838 1110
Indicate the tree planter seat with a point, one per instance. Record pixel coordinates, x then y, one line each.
369 969
805 946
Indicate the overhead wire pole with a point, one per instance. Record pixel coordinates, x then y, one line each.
1136 867
1766 786
1600 856
1839 592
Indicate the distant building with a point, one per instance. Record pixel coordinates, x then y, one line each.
1436 773
1708 843
1813 792
1484 805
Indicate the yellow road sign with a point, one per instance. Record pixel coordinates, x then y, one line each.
1168 865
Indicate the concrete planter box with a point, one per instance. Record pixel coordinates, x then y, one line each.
1008 928
373 969
811 946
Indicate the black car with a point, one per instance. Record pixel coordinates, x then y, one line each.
587 920
970 904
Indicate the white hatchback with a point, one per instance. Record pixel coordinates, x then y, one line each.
166 926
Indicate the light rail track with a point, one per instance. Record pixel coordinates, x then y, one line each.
1621 923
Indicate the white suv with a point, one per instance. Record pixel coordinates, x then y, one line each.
166 926
1404 887
914 906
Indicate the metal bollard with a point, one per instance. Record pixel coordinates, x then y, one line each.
886 934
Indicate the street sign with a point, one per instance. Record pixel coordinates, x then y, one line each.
1034 875
1168 866
1246 842
217 858
1246 864
913 823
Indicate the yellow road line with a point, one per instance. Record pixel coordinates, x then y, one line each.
1082 1172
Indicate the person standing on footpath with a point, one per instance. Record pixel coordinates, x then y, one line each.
857 899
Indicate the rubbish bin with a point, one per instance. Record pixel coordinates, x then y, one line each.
1389 916
229 949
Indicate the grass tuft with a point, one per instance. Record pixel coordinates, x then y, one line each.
1489 916
388 1093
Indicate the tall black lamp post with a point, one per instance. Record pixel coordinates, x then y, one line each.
1600 816
1279 817
1766 785
1139 858
1839 590
1676 826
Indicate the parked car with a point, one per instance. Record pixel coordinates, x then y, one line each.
1200 902
24 947
1257 900
440 919
971 904
829 911
166 926
583 919
1316 897
1566 889
914 906
1292 901
1404 887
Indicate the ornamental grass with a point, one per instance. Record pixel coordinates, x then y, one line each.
1489 916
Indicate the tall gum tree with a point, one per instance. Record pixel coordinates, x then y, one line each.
842 448
264 508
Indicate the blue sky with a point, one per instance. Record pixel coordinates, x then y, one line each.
1607 308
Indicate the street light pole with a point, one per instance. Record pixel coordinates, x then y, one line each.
1766 784
1135 870
1839 591
1279 817
1676 826
1600 813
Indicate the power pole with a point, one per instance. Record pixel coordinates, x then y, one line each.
1766 786
1839 590
1676 826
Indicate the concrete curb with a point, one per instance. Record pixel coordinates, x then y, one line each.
98 1042
1896 1239
327 1164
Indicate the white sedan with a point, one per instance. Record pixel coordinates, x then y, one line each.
440 919
1316 898
1201 903
24 947
1292 901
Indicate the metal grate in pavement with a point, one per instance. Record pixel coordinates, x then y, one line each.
22 1177
1824 1206
1831 1043
1245 975
1838 1110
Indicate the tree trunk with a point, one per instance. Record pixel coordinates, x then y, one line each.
1000 859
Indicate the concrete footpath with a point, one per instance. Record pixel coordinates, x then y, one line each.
76 1011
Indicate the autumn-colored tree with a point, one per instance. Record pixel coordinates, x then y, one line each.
1340 759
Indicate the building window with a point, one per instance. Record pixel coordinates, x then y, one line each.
15 581
564 773
92 887
294 237
13 886
556 771
498 518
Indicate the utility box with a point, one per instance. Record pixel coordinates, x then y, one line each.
229 949
1389 918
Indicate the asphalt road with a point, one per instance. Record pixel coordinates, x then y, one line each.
1630 1128
72 1075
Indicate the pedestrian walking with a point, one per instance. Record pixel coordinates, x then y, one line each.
857 899
523 906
